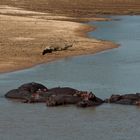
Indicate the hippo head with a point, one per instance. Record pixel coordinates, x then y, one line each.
114 98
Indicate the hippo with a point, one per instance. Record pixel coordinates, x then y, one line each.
79 98
87 103
36 93
113 98
62 91
92 101
29 92
56 100
25 91
62 95
126 99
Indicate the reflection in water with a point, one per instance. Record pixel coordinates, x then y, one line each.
115 71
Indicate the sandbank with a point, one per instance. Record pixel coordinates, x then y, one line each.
24 35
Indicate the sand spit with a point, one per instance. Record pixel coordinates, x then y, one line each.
23 39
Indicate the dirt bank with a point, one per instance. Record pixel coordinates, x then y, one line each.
23 39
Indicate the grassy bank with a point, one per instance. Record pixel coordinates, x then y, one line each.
78 7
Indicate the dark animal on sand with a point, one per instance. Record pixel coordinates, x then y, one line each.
55 48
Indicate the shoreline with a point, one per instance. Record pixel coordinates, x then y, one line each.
82 31
26 49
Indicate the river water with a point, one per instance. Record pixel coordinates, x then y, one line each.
106 73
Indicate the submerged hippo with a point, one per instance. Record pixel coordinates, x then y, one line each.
26 91
35 92
127 99
90 102
56 100
79 98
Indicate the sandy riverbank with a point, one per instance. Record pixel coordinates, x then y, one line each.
27 27
24 34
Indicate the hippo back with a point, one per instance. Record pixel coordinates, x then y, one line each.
32 87
25 91
17 94
61 91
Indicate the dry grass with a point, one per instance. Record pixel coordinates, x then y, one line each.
78 7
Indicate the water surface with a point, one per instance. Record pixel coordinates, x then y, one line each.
106 73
